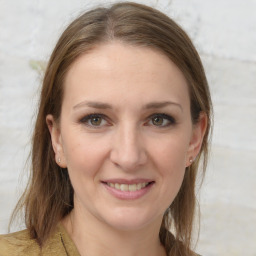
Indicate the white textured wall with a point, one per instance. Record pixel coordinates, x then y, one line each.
225 35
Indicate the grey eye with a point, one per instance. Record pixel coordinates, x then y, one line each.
161 120
96 120
157 120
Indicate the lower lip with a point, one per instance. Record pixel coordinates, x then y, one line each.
128 195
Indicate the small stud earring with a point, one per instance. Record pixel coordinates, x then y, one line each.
59 160
191 160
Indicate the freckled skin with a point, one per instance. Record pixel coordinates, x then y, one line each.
126 144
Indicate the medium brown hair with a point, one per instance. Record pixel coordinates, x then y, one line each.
49 194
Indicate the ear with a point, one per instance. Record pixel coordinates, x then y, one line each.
54 130
196 138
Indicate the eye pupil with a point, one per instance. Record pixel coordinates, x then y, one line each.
96 120
157 120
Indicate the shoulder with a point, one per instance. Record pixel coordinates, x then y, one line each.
18 243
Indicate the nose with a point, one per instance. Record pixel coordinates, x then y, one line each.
128 150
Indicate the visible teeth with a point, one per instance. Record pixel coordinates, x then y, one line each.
124 187
130 187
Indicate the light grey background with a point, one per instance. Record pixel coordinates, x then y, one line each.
224 32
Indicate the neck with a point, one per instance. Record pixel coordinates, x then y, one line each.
92 237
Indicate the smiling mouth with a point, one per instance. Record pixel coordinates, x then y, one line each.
128 187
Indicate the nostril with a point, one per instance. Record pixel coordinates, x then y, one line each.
128 150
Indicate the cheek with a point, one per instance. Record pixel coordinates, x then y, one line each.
84 155
170 160
171 152
172 165
84 158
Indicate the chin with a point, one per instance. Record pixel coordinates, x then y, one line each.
131 220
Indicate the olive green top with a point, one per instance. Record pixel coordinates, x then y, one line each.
20 244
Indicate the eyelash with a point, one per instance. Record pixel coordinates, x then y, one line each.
171 120
88 118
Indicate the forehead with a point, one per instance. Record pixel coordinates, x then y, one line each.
124 71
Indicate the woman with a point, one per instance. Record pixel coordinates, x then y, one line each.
123 122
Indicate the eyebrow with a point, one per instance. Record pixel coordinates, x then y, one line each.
93 104
101 105
162 104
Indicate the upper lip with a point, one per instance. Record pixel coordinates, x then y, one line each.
126 181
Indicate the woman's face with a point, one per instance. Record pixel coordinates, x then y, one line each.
125 134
